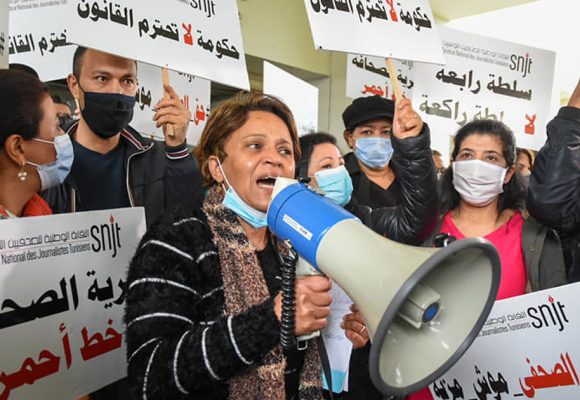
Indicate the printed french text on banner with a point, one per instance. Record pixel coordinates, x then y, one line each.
300 96
368 76
527 349
194 95
39 37
486 78
199 38
382 28
62 297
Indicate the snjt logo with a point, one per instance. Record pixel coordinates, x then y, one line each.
106 237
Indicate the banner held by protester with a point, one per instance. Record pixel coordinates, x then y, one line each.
487 78
4 40
62 296
384 29
201 42
528 348
300 96
39 37
195 96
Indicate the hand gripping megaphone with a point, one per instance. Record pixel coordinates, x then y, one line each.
423 307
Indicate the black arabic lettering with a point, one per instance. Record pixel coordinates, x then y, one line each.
47 304
83 13
97 13
315 5
440 391
421 20
360 9
377 12
456 390
101 294
143 27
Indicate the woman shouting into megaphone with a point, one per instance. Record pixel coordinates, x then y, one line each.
203 309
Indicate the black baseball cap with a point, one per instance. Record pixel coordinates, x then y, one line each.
366 109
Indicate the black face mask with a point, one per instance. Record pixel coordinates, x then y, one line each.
107 113
65 122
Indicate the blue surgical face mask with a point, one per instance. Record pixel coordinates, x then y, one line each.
54 173
336 183
373 152
234 202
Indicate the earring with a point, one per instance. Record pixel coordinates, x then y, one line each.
22 174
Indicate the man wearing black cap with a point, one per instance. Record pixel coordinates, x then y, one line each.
368 125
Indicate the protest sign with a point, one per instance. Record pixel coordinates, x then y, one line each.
382 28
368 76
194 94
39 37
486 78
198 38
300 96
62 296
528 348
4 42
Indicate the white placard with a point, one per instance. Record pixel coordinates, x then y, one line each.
338 346
383 28
4 42
194 93
487 78
368 76
527 349
201 38
39 37
300 96
62 297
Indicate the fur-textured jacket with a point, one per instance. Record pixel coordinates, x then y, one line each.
180 342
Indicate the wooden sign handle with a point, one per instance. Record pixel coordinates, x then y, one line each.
165 74
394 80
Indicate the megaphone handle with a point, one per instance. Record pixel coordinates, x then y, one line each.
287 320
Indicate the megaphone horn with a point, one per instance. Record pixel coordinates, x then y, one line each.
423 307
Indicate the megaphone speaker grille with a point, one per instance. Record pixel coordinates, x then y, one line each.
405 358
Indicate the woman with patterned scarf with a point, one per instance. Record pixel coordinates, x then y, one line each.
203 306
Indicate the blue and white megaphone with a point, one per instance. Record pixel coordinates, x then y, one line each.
423 307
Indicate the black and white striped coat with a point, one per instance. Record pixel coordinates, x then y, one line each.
180 342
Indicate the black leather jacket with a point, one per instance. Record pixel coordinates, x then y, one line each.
158 177
410 222
554 194
415 217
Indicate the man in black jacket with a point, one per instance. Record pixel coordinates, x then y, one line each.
114 166
554 194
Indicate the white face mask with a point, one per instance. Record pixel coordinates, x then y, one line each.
478 182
